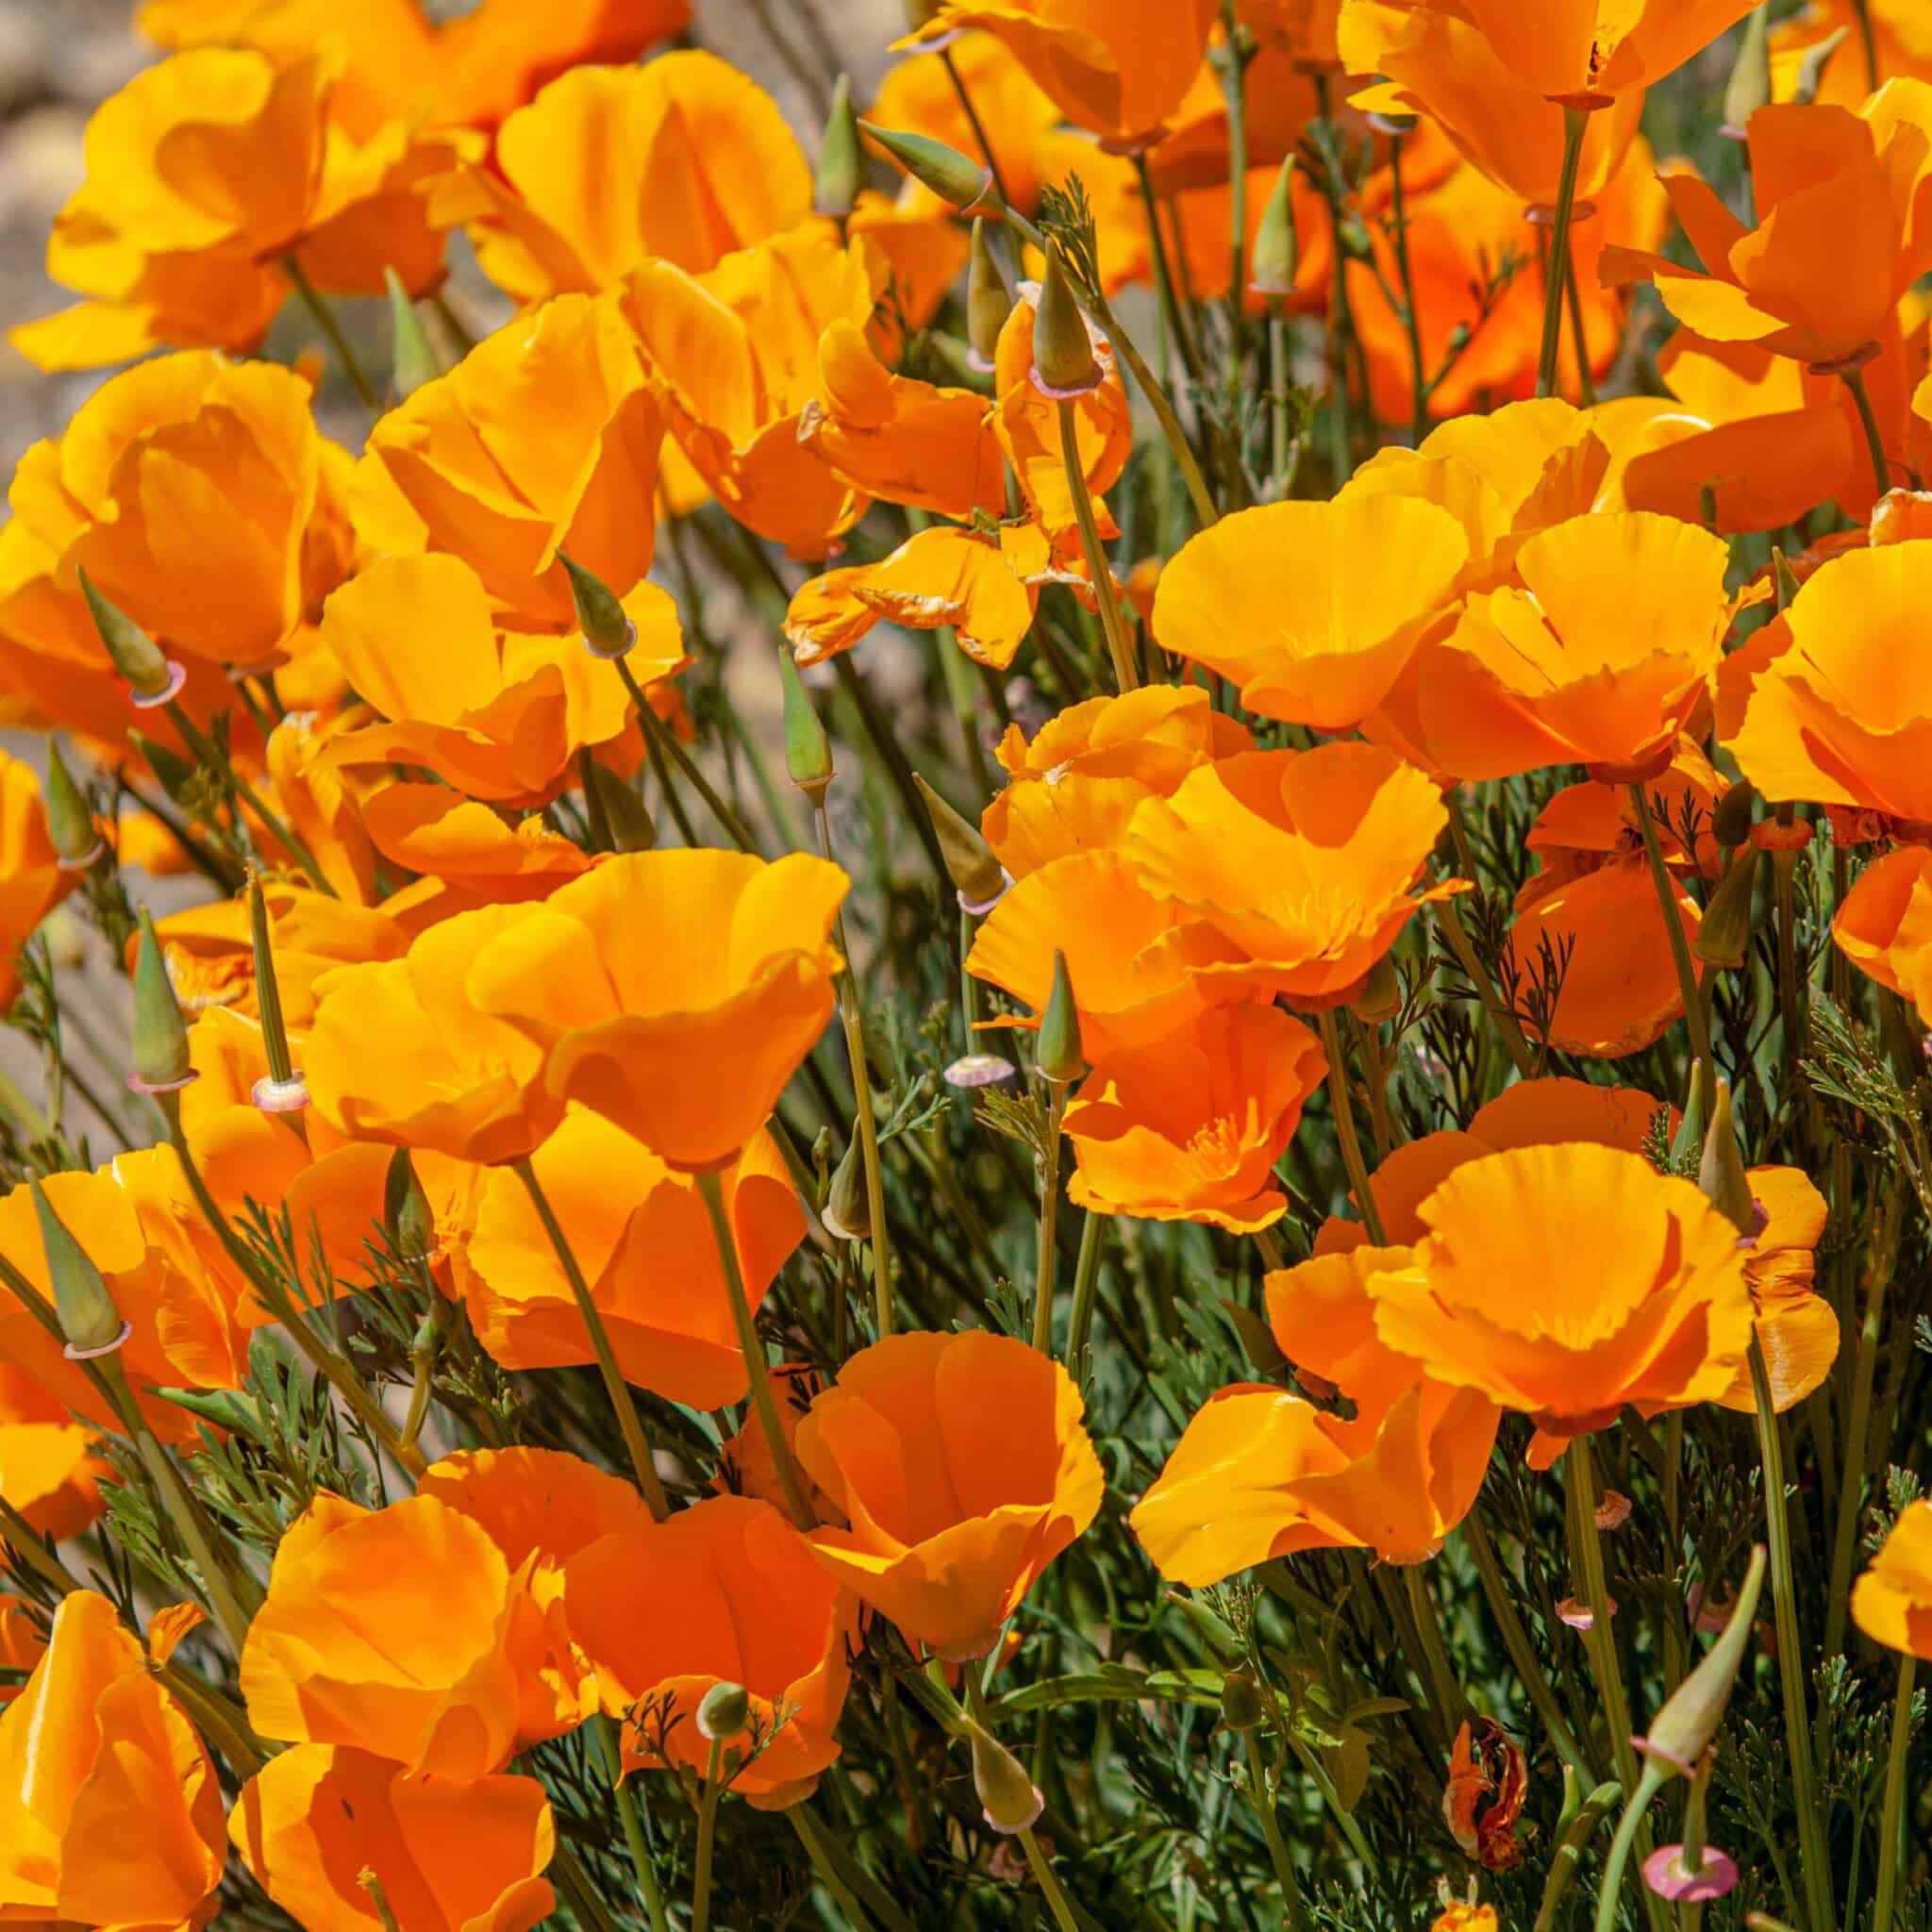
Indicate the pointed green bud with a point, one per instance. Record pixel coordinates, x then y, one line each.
407 1219
1750 83
724 1711
160 1038
1811 69
1722 1176
978 876
1682 1731
848 1213
1724 938
1687 1143
175 773
412 361
1380 998
626 814
1278 245
1785 578
943 168
1064 363
227 1409
808 750
90 1325
152 677
988 301
1730 823
70 824
835 186
1008 1798
1060 1056
1242 1707
283 1091
607 632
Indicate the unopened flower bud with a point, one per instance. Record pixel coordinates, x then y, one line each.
1724 938
1242 1707
1010 1800
412 361
152 677
1722 1176
943 168
808 750
607 632
1811 67
90 1325
1687 1143
1277 245
283 1091
723 1713
978 876
627 816
70 825
988 301
1380 998
1064 363
1060 1056
1730 823
1750 84
161 1064
1683 1729
835 185
406 1216
1784 579
848 1213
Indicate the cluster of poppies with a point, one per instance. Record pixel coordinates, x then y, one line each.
1442 869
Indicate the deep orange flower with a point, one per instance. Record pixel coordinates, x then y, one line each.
23 1642
387 1629
644 1241
726 1592
1515 1291
1892 1603
1900 43
110 1814
49 1473
961 1465
1796 1327
674 992
32 879
1189 1126
431 830
205 175
451 1856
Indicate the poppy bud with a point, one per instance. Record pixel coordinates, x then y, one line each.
1381 996
1687 1142
227 1408
848 1213
411 360
1060 1056
70 824
174 771
160 1040
978 876
1277 246
1241 1706
626 815
1722 1176
283 1089
1750 83
406 1216
808 750
943 168
988 301
607 632
723 1713
1064 363
835 185
1783 577
90 1325
1724 937
152 677
1730 823
1811 69
1011 1800
1682 1730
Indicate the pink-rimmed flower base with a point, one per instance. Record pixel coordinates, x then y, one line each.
1073 395
1667 1875
151 701
979 908
85 862
280 1096
1025 1823
107 1348
630 638
137 1085
975 1069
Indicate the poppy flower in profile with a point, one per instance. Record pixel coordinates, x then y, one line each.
644 1241
451 1856
387 1629
734 1597
1899 45
1892 1603
32 879
1118 73
674 993
1300 865
1797 1327
1884 926
1189 1127
963 1470
1074 785
1312 610
1513 1290
110 1812
1260 1474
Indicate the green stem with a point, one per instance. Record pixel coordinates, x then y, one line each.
1345 1129
1579 338
656 733
1236 87
1118 646
318 306
1680 951
1043 1876
1629 1829
1086 1284
1874 439
1411 321
217 762
1555 276
1601 1640
622 1402
1368 1047
610 1748
707 1831
1163 274
1569 1854
1046 1259
17 1534
755 1366
972 120
1451 1705
1892 1822
815 1849
1263 1798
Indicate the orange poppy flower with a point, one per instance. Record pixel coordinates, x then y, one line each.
22 1644
961 1465
431 830
499 715
1300 864
1842 232
1189 1126
32 879
746 1467
1514 1291
1892 1603
1548 671
734 1597
685 1045
188 254
1260 1473
49 1472
450 1856
543 438
1302 30
1072 786
644 1241
1118 73
401 1053
1285 602
1884 926
316 804
110 1813
1900 45
387 1628
1796 1327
